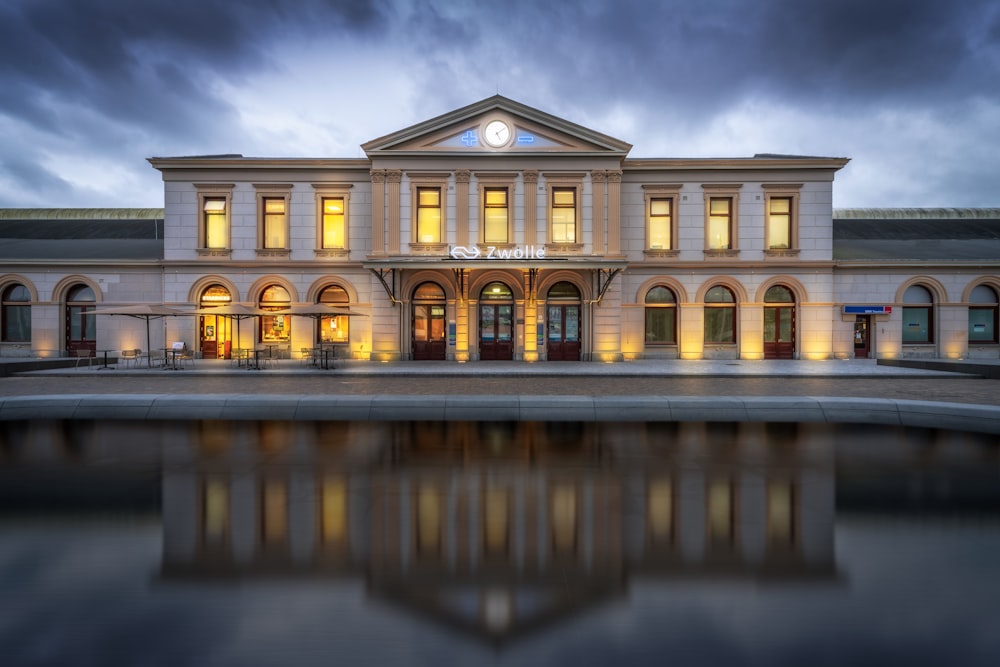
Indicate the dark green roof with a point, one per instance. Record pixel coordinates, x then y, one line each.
57 234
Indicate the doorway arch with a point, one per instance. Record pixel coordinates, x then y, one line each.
496 322
81 326
779 323
215 338
427 326
562 322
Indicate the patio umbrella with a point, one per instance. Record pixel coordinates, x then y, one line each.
142 311
234 311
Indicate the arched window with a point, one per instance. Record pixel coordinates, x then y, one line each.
275 328
564 291
496 292
779 294
215 295
720 315
983 309
428 292
661 316
15 317
918 316
335 329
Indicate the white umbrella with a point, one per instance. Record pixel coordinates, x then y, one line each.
142 311
234 311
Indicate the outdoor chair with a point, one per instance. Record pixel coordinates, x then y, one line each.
82 354
128 357
186 357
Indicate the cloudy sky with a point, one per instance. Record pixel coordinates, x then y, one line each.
908 89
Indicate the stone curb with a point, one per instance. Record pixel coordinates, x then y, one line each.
927 414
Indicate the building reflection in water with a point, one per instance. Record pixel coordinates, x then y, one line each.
494 528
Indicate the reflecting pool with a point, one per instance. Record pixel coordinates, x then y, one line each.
319 543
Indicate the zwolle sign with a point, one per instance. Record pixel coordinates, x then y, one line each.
493 252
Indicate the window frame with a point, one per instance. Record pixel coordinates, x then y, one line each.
718 306
273 192
419 183
564 182
653 193
208 192
790 191
912 307
730 191
7 305
322 194
648 307
993 308
491 183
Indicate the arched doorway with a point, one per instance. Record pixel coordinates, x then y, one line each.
81 328
562 324
335 329
214 331
779 323
428 324
275 329
496 323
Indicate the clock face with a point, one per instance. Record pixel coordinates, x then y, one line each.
496 133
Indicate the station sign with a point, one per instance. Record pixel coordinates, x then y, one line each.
493 252
867 310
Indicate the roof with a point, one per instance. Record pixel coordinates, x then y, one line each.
935 234
81 234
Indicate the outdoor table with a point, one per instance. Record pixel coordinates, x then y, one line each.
327 353
170 358
105 367
255 366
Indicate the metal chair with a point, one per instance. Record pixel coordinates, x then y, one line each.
82 354
127 357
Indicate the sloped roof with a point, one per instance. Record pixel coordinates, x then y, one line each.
81 234
948 235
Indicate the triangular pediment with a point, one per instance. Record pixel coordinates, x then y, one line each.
496 125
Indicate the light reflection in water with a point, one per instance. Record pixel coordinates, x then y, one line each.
497 530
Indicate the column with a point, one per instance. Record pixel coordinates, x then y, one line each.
530 206
378 212
598 180
462 177
614 213
393 178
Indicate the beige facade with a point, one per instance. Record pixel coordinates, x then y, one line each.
497 231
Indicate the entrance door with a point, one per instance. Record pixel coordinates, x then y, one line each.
779 332
563 332
81 328
779 323
862 343
214 331
428 332
496 332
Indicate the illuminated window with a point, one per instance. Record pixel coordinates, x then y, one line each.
429 215
563 213
661 316
215 223
275 328
15 316
496 216
661 230
720 315
334 223
275 223
983 315
781 228
720 223
918 316
335 329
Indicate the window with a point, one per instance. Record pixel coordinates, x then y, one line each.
721 217
564 215
720 315
660 217
275 328
335 329
983 315
216 223
720 223
275 228
333 203
496 216
429 215
781 224
333 230
661 316
15 318
918 316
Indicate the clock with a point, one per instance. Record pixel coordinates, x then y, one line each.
496 133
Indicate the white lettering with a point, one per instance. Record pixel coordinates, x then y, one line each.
493 252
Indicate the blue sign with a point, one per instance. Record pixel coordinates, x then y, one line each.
867 310
469 138
524 138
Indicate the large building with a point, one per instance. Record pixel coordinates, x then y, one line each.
498 231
